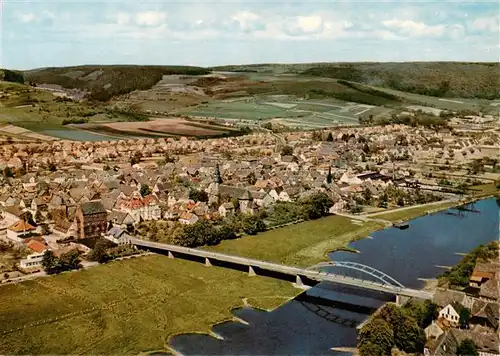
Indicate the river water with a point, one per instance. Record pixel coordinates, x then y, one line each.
312 326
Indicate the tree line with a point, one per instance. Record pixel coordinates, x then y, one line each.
11 76
458 276
211 232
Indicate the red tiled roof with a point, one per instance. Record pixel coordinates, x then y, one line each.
21 226
36 246
480 274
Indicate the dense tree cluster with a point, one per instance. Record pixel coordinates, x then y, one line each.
392 327
67 261
202 232
145 190
198 195
100 251
11 76
287 151
353 96
459 275
467 348
80 120
308 208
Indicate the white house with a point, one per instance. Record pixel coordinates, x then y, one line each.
117 235
17 230
262 199
450 313
226 210
338 206
274 194
32 261
283 196
350 178
188 218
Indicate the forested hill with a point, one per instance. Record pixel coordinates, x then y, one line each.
105 82
441 79
11 76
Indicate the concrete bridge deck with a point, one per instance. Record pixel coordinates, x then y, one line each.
302 276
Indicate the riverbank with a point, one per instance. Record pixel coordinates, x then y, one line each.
127 307
301 245
409 213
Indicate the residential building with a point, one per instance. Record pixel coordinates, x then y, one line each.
451 314
91 219
188 218
19 230
34 260
141 209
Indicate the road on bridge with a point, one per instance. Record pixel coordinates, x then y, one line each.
299 273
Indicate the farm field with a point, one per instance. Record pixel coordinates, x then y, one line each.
158 128
303 244
127 307
287 110
282 95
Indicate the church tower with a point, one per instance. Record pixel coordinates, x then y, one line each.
217 177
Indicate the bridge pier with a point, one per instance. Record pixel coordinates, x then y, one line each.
401 300
304 278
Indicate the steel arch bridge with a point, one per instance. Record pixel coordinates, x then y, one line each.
379 275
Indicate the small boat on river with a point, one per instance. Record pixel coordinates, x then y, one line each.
402 225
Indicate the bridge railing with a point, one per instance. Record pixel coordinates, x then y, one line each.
319 276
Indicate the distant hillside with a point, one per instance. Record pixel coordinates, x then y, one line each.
440 79
105 82
11 76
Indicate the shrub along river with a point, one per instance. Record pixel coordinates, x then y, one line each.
311 325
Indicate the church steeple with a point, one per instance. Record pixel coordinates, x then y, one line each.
217 177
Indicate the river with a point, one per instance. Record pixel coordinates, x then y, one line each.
302 326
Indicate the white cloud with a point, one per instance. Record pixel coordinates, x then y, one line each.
412 28
248 21
310 24
122 18
48 14
486 23
26 18
150 18
303 25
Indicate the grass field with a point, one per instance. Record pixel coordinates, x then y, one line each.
126 307
485 189
304 244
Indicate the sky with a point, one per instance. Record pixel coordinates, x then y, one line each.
64 32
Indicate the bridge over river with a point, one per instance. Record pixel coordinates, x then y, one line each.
302 277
